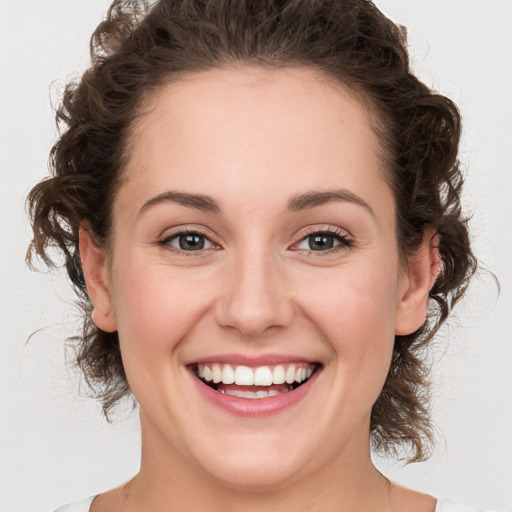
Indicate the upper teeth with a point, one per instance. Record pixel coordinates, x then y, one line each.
260 376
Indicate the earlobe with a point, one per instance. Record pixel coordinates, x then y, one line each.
423 267
97 279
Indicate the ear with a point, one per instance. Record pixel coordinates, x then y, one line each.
423 267
97 280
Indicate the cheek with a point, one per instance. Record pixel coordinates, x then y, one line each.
156 307
353 300
354 310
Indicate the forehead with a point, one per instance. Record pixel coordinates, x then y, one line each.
250 129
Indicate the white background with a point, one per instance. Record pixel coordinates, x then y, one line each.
55 446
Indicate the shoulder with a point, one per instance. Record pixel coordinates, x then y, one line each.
446 505
78 506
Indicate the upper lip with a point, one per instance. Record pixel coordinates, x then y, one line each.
251 361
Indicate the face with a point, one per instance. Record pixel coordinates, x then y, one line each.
254 241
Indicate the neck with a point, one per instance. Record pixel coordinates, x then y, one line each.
168 481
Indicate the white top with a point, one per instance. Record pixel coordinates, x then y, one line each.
79 506
443 505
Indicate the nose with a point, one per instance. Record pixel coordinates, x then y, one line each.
255 299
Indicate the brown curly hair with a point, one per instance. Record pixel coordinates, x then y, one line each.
139 47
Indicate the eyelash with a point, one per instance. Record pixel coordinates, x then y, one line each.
166 241
345 242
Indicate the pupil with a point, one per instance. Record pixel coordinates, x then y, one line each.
321 242
191 242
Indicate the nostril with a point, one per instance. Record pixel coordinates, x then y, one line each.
255 304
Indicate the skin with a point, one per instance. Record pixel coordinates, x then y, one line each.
252 139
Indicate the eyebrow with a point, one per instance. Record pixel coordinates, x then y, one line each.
197 201
297 203
318 198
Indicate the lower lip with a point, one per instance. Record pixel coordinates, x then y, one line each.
255 407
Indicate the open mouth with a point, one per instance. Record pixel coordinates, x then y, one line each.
254 383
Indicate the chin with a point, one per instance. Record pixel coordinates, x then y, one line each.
256 465
257 476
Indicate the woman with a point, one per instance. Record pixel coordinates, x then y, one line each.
259 206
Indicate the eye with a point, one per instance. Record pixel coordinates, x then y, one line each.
324 241
188 241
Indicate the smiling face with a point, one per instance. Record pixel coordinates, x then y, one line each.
253 250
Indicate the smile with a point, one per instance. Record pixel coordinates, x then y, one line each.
254 383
